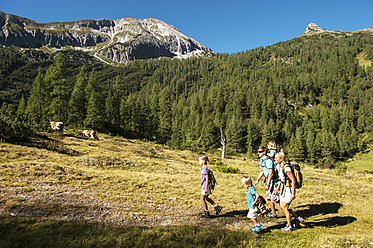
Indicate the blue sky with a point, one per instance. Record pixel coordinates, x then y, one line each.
224 26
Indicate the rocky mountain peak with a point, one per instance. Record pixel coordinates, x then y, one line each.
120 40
314 28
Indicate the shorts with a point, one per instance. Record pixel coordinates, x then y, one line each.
273 195
286 195
204 193
251 214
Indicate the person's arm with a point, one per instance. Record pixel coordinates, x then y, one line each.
207 183
293 182
261 173
256 199
270 175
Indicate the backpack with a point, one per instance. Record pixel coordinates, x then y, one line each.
295 169
260 204
212 180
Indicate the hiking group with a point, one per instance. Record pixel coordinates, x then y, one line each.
282 178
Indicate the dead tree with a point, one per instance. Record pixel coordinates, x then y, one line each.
223 142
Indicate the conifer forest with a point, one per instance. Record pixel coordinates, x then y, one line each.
313 95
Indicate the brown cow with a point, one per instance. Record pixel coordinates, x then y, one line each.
89 133
57 126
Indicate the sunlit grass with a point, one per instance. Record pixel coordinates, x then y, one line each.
131 179
363 60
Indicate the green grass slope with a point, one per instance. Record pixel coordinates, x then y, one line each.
69 191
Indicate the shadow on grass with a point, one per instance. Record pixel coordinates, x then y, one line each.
327 222
316 209
43 232
236 213
44 142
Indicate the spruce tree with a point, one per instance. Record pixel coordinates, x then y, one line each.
38 104
56 78
78 100
95 118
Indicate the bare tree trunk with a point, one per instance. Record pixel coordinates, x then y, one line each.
223 142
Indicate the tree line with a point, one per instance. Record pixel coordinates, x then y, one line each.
309 95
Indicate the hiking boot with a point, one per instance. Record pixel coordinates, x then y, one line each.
271 215
255 230
259 226
287 228
204 214
218 209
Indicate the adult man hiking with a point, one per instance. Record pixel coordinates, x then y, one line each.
267 169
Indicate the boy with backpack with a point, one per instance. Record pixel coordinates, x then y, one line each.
252 198
206 188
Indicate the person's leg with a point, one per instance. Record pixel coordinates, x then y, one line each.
210 200
272 206
285 208
292 213
254 221
203 199
252 216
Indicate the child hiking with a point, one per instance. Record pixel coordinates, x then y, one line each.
206 188
252 198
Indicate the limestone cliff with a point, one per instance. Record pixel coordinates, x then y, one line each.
120 40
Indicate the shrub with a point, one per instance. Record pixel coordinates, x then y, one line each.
221 167
13 126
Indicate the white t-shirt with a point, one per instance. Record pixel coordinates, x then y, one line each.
282 171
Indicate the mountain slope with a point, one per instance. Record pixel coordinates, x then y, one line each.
127 193
120 40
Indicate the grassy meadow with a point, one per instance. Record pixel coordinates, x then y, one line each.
70 191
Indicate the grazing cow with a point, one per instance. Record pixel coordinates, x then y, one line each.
57 126
89 133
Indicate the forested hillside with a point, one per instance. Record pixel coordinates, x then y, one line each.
313 95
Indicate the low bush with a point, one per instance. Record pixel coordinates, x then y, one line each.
13 126
221 167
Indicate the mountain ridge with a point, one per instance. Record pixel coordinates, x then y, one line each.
313 28
120 40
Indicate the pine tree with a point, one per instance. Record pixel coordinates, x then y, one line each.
38 103
95 111
253 137
113 106
296 146
56 78
164 117
96 104
328 145
21 107
78 100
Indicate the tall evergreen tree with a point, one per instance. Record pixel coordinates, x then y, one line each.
164 116
22 106
38 103
56 78
297 146
96 104
78 100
